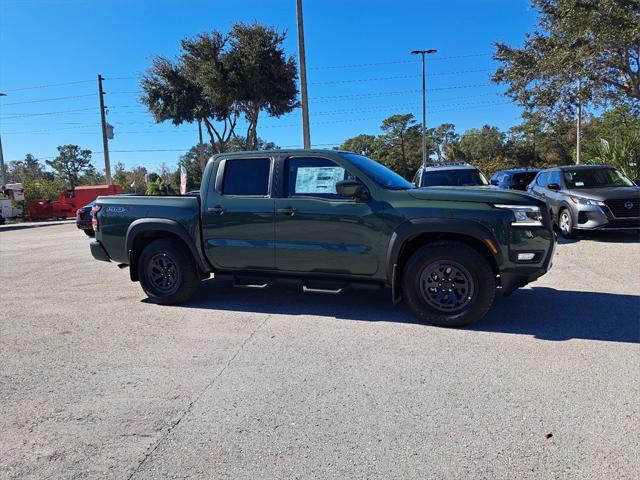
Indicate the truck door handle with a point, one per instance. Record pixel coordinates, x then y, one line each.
218 209
286 211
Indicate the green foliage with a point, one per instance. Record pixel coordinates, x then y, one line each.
41 189
20 171
399 144
583 51
624 154
159 187
219 78
539 141
71 163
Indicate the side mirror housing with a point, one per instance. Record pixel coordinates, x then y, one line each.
553 186
494 182
353 189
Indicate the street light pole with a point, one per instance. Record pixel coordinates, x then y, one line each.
424 101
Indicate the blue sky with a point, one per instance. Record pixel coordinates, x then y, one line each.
359 68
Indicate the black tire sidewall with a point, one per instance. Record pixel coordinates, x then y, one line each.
188 278
477 266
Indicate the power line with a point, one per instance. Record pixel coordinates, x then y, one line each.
49 85
399 77
52 99
397 62
19 115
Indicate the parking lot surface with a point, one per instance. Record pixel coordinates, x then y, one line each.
96 382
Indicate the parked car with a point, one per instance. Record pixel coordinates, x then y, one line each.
588 197
448 174
514 179
329 220
83 219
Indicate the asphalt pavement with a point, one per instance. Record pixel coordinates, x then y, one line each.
97 382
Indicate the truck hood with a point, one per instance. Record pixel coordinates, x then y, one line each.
609 193
474 194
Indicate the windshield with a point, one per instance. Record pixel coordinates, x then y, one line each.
378 173
453 178
595 178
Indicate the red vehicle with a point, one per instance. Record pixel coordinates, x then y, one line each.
69 202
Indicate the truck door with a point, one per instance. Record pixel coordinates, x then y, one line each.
238 215
318 231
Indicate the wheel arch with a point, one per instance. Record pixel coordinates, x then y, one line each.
415 233
143 231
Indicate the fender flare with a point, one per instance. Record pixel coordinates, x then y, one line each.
416 226
143 225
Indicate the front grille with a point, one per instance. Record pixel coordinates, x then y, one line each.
620 208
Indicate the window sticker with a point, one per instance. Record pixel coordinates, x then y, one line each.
318 179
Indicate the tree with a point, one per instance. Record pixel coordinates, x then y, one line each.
584 51
218 78
92 176
265 79
440 137
71 163
397 130
482 144
366 145
20 171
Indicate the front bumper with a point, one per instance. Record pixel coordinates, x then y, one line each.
595 217
98 251
538 240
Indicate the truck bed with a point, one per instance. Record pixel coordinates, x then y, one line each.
120 213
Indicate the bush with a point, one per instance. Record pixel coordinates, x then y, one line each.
624 154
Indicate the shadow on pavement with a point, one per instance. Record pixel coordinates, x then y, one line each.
603 236
542 312
24 226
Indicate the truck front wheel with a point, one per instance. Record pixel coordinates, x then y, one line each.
168 274
448 284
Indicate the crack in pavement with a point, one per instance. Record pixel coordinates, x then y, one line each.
193 402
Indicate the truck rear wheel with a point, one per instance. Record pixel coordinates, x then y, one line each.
168 273
448 284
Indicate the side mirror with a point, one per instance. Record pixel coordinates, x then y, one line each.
352 188
553 186
494 182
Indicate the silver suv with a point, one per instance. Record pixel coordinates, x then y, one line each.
588 197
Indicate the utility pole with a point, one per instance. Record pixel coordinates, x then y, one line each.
424 101
579 125
1 154
105 140
306 136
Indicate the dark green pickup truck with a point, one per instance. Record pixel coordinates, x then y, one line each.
330 220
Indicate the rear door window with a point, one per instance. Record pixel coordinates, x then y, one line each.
246 177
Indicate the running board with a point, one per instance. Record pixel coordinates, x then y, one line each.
306 289
250 282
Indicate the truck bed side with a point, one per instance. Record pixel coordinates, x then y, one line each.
125 220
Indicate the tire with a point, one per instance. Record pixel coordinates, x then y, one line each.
89 233
168 273
476 281
565 224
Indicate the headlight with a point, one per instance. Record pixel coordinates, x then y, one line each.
585 201
525 215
